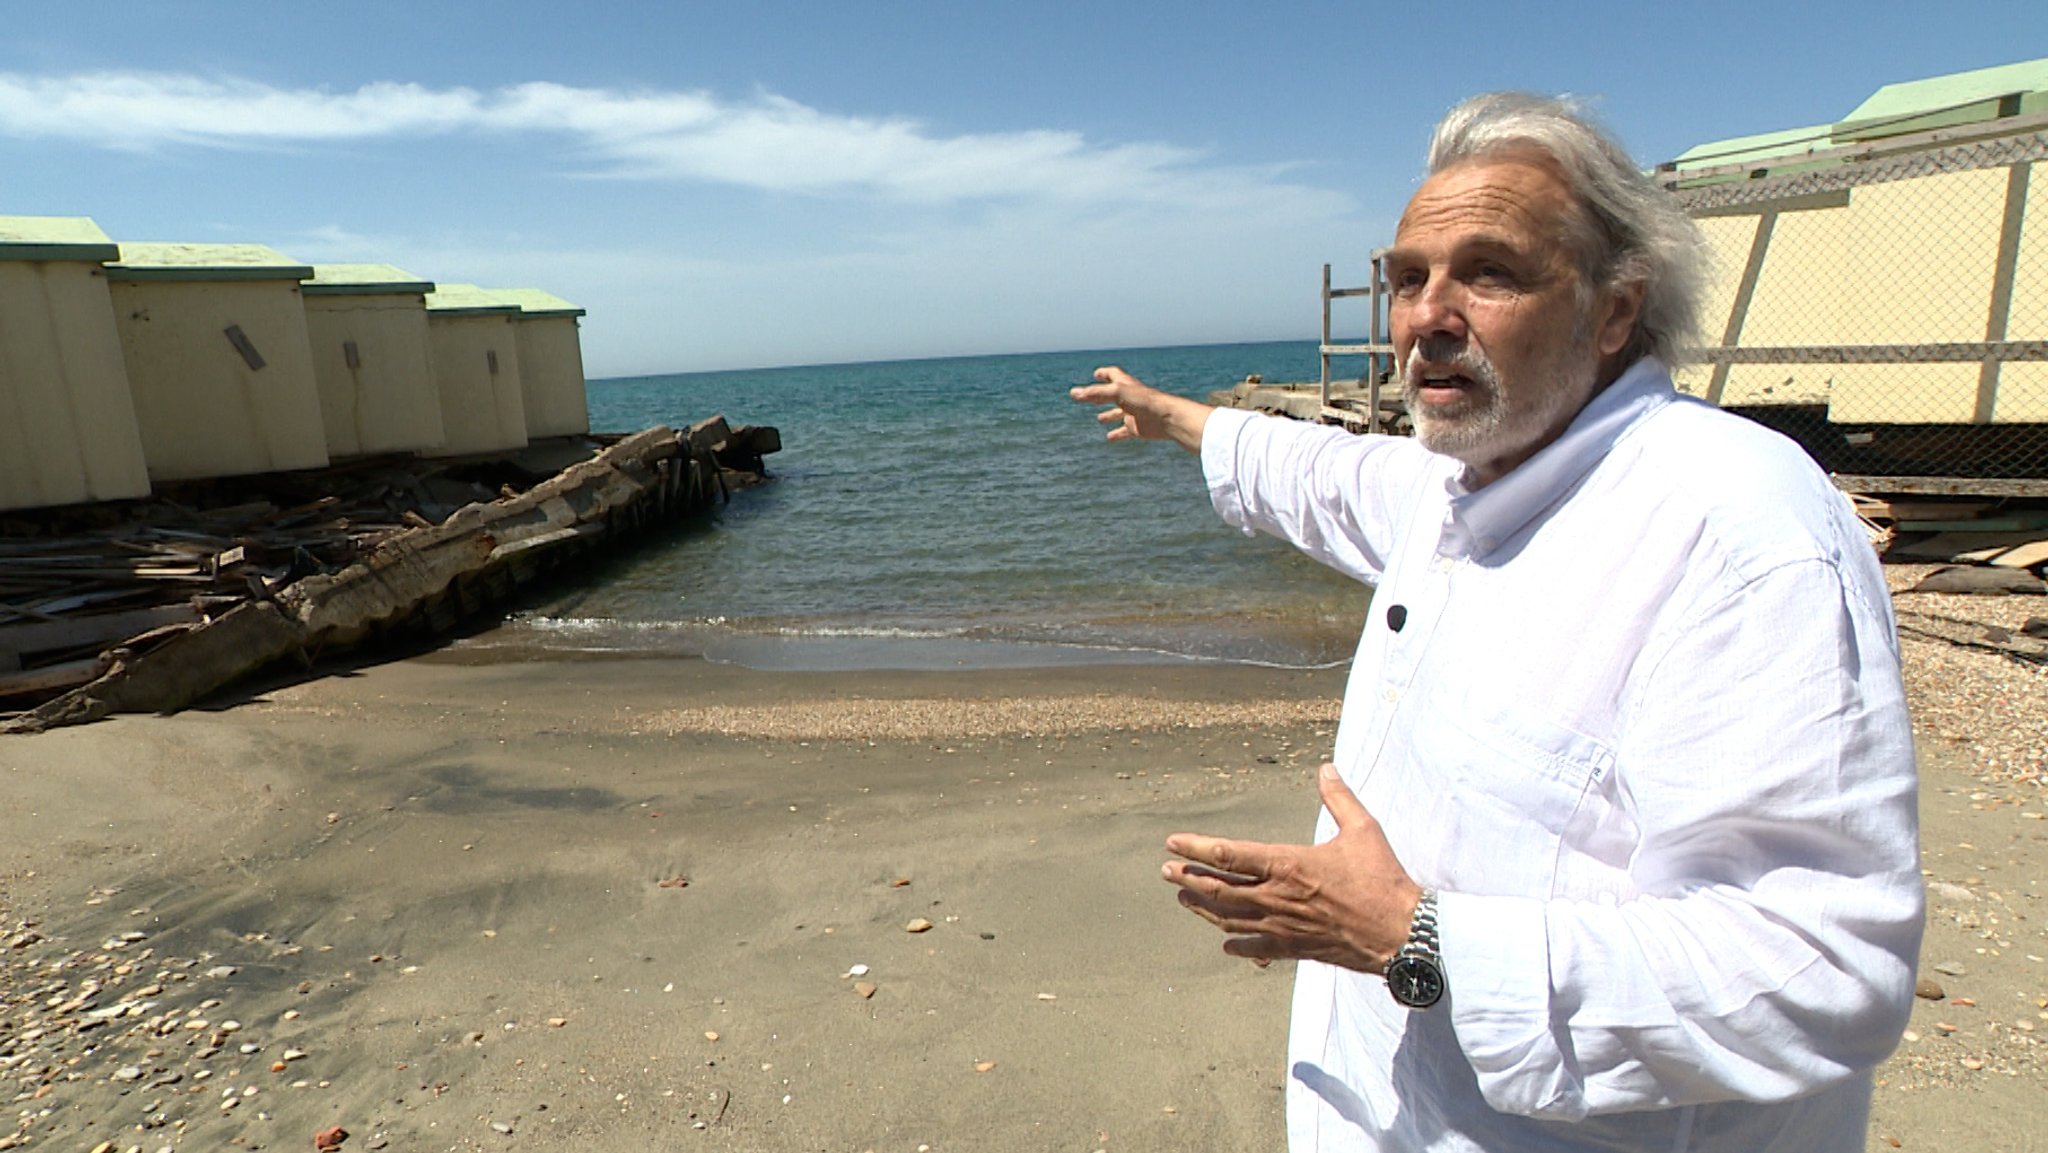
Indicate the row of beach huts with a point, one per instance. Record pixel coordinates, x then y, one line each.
124 365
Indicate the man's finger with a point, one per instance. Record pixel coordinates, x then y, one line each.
1343 804
1220 877
1226 894
1238 918
1248 858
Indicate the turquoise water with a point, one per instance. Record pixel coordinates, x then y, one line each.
963 511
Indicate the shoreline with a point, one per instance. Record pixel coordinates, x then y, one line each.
526 892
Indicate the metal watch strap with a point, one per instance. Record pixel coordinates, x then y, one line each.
1422 940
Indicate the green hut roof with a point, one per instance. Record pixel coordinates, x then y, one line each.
1948 101
363 280
456 299
1778 151
54 238
204 262
1962 98
535 302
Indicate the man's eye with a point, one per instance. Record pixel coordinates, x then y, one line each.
1408 282
1494 274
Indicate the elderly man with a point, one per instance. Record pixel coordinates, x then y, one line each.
1618 849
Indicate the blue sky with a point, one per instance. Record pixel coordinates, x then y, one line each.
732 185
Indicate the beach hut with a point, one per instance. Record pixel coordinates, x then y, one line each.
1877 243
67 424
214 339
372 359
476 370
550 362
1984 227
1777 268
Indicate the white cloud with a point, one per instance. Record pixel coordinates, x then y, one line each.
139 110
769 142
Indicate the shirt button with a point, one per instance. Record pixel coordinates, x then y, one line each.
1444 564
1393 695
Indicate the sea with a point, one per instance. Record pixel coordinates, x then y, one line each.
953 513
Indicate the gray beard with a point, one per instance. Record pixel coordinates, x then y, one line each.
1484 426
1477 420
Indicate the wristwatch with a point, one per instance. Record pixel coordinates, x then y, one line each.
1415 975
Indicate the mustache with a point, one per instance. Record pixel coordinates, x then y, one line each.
1461 357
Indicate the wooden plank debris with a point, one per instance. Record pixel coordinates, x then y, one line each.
60 676
92 628
2009 533
1910 509
1958 546
151 605
2013 522
2032 555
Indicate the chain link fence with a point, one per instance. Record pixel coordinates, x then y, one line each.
1888 310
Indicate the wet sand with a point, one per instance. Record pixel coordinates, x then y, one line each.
459 905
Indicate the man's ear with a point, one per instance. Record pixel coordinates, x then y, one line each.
1621 311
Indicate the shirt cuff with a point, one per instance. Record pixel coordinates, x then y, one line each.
1496 957
1220 437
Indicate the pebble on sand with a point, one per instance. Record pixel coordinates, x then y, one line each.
920 925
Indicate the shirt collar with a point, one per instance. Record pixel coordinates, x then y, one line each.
1478 522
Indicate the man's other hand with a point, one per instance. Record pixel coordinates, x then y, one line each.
1140 412
1345 902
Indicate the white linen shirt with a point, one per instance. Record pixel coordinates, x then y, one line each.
1642 726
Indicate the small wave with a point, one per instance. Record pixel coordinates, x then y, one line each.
786 644
612 624
863 632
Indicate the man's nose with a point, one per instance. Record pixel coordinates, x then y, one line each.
1435 309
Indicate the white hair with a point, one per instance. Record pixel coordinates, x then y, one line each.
1628 231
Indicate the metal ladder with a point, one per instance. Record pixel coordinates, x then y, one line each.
1378 344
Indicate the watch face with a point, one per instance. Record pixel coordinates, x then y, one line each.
1415 981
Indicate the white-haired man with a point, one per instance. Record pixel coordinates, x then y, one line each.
1619 848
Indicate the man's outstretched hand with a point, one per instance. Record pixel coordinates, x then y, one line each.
1346 901
1137 411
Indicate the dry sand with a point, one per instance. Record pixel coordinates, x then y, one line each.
444 906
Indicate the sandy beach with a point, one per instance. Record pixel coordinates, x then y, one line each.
452 903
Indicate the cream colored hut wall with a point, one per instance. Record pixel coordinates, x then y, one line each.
1903 263
551 375
1917 270
1731 241
67 423
481 410
2023 386
1798 300
203 412
388 400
